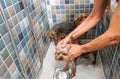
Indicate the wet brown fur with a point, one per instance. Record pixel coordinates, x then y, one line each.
57 35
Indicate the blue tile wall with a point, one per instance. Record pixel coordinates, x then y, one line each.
26 56
37 11
66 10
110 56
7 54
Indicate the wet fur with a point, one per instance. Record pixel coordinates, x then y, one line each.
60 31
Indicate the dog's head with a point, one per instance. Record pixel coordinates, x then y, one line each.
61 53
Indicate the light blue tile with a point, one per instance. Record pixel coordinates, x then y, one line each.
7 39
18 65
19 16
19 48
3 29
0 61
62 6
26 38
14 20
14 56
17 8
18 29
2 45
8 2
10 47
16 39
14 1
20 77
23 14
61 2
25 49
6 13
48 2
87 1
3 3
76 6
1 19
71 1
4 54
24 32
23 43
30 75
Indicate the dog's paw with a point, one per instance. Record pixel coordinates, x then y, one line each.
72 75
94 62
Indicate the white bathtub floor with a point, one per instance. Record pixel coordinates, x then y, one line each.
84 68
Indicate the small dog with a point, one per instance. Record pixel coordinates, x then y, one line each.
59 32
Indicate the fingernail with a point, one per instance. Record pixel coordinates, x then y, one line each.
63 45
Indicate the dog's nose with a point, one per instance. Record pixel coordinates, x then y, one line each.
60 58
52 38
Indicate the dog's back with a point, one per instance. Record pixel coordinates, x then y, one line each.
64 27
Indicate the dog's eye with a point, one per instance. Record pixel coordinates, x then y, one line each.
80 20
53 38
62 37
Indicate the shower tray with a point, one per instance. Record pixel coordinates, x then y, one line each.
85 70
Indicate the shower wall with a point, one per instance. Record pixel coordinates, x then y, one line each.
9 63
23 38
110 56
66 10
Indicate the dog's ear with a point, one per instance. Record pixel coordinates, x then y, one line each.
84 15
52 34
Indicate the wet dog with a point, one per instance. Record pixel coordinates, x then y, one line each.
59 32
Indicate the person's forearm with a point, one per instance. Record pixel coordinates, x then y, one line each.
100 42
110 37
84 27
91 20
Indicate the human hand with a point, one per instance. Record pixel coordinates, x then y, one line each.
65 41
74 51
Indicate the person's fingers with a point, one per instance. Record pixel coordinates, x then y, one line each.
60 43
65 42
63 45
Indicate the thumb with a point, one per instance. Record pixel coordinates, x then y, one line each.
64 44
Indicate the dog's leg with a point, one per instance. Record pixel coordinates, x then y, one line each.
95 55
73 69
66 67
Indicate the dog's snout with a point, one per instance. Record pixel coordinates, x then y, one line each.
60 58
